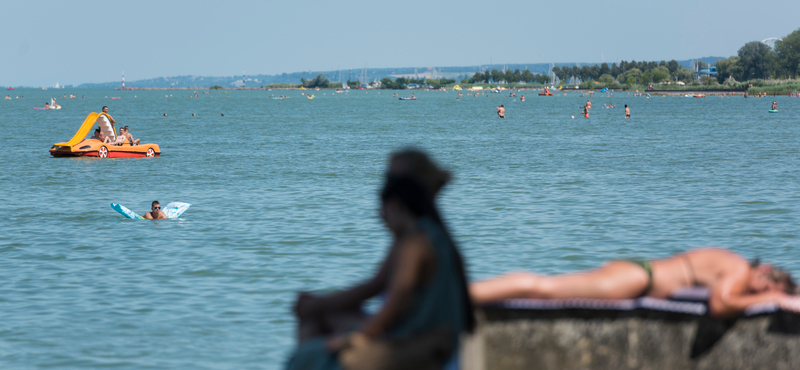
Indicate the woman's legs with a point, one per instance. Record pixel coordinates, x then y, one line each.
615 280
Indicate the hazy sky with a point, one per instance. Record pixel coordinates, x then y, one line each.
73 42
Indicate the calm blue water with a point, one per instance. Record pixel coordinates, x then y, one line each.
284 196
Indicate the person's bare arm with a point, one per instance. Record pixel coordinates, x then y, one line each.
148 216
412 258
729 297
110 119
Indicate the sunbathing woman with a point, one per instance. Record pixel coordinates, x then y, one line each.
733 283
426 305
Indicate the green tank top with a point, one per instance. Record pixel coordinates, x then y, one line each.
440 303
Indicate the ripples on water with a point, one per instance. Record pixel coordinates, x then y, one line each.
284 196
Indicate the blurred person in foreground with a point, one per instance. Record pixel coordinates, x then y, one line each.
426 305
733 282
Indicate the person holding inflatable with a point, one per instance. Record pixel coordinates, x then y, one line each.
155 212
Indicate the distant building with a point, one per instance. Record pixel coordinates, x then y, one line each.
710 72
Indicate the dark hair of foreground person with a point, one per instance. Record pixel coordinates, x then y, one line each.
426 304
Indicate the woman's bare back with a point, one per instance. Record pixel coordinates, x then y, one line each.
702 267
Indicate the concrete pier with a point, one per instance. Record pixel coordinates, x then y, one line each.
641 339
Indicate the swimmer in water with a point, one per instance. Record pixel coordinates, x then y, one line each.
627 111
586 110
588 104
155 212
774 105
501 111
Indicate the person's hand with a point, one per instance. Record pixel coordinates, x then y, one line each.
337 343
790 303
340 342
777 297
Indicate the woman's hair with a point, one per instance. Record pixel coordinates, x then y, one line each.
780 276
415 163
419 200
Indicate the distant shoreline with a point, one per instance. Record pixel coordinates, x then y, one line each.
584 91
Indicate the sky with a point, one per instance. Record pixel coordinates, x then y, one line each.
74 42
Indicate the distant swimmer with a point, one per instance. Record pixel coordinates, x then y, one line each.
585 110
588 105
501 111
627 111
155 212
522 98
165 114
413 97
775 105
110 119
46 105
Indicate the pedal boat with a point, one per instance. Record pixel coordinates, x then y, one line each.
79 146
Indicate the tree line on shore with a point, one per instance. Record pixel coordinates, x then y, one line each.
755 60
403 82
630 73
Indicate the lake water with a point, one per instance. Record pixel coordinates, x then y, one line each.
284 198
